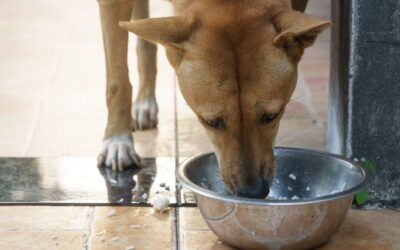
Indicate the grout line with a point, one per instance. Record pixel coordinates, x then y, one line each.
176 227
89 228
176 230
33 127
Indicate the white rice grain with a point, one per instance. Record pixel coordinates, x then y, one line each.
111 213
161 203
295 197
101 233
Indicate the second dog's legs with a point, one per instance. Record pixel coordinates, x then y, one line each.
299 5
145 108
118 149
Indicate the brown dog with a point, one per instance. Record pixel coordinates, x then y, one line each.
236 62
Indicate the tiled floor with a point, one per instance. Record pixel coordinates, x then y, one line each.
52 104
362 230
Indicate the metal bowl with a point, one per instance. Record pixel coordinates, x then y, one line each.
309 199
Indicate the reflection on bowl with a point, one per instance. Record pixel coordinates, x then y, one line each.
308 200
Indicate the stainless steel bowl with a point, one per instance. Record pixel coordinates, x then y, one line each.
311 195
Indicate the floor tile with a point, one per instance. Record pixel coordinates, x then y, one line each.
368 230
68 240
16 122
199 240
19 75
301 128
362 230
301 134
43 218
122 227
67 127
194 233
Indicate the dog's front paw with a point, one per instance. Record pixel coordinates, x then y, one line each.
145 114
118 152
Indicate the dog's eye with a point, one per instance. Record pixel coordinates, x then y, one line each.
268 118
217 123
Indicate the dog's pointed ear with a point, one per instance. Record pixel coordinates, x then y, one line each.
297 31
168 31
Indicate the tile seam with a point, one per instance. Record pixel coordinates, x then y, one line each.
89 228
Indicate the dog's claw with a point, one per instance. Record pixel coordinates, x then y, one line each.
121 165
118 152
113 164
136 158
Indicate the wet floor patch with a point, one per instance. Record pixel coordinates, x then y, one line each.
78 181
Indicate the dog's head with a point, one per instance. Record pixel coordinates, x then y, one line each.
236 62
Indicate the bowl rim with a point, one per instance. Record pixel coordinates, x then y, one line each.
262 202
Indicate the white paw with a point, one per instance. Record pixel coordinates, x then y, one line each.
145 114
118 152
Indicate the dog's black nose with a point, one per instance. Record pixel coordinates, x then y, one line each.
258 190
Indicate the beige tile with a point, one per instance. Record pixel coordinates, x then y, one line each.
296 110
301 135
156 142
315 68
299 129
194 233
192 138
200 240
362 230
140 227
368 230
320 102
19 10
43 218
69 240
16 120
190 219
44 227
68 126
27 69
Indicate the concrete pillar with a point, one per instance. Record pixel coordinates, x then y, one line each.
364 108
